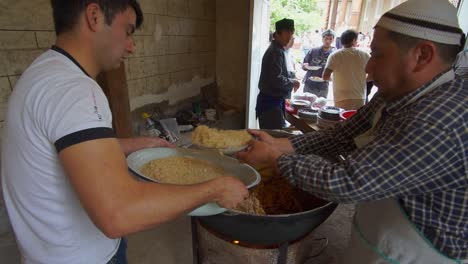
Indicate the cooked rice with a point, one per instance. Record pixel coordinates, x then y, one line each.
273 196
214 138
181 170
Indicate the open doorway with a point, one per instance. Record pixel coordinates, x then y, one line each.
309 16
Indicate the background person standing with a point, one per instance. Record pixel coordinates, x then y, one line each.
276 81
349 75
317 57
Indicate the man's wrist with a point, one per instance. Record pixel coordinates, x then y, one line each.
274 156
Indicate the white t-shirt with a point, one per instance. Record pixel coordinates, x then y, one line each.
349 76
53 105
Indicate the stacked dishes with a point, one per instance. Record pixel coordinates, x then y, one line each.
309 114
328 116
300 104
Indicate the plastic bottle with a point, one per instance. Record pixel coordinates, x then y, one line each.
150 126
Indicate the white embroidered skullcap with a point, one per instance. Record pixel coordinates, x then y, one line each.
434 20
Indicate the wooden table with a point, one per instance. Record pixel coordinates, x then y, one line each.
303 125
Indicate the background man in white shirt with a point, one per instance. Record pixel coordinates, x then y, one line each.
349 76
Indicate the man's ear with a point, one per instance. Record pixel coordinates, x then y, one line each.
94 17
424 54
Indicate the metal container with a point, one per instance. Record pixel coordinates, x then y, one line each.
269 230
330 113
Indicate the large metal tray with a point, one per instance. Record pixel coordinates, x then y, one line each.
248 175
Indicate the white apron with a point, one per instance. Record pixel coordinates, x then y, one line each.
381 231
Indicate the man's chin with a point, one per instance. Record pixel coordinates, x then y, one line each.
112 67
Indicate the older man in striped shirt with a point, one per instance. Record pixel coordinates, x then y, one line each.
406 151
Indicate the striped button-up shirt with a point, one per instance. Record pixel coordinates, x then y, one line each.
419 156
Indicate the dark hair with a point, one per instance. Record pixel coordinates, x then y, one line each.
348 37
66 12
447 52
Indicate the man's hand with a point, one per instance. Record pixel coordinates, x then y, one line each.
130 145
154 142
259 154
281 144
231 191
262 136
296 86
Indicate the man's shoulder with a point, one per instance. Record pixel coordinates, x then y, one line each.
273 49
50 80
446 105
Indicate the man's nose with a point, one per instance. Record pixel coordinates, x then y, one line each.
131 47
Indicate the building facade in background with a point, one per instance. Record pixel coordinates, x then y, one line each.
360 15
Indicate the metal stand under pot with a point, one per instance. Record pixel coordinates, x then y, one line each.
255 239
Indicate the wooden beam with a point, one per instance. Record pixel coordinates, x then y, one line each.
327 18
342 16
114 85
334 12
356 12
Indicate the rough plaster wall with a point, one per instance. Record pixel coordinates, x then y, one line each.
232 46
175 51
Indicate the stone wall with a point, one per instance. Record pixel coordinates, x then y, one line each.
176 51
26 30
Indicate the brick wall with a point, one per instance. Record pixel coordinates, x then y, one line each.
176 51
175 56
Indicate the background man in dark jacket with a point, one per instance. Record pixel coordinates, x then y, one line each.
276 82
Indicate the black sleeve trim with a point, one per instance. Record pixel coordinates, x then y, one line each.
82 136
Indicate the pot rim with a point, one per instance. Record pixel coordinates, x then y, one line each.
232 212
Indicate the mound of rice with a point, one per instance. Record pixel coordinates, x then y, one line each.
181 170
214 138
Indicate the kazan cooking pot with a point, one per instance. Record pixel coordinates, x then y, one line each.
271 230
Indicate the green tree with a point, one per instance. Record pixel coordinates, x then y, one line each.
306 14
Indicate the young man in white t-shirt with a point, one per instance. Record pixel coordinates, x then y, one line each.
349 76
67 189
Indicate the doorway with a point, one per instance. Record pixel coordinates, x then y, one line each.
308 16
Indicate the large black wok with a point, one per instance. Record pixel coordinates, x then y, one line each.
271 230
